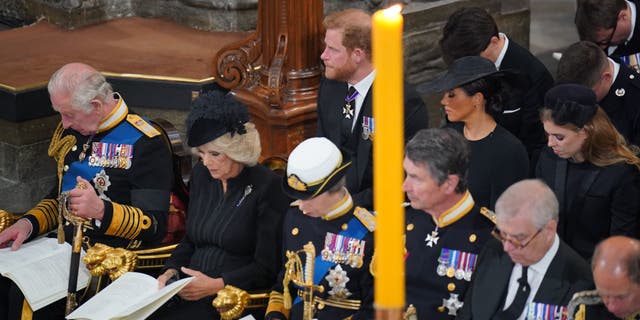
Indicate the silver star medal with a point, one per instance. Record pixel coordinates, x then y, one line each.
432 238
338 279
453 304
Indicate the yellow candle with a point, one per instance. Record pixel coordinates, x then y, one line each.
388 152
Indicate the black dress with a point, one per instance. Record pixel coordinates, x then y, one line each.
234 235
497 161
595 202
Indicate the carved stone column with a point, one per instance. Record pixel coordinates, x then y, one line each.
276 72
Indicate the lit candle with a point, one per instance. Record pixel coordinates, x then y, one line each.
388 152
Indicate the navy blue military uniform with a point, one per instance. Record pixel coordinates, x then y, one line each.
334 240
442 258
621 104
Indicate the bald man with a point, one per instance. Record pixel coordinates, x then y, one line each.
616 272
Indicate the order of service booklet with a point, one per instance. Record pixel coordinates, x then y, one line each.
132 296
40 269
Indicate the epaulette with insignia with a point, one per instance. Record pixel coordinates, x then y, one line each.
488 214
367 218
579 300
142 125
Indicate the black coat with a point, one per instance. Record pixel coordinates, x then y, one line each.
621 104
568 273
360 173
525 123
632 46
595 203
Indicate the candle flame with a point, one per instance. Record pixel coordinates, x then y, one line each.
393 10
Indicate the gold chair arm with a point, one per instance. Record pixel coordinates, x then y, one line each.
231 302
6 219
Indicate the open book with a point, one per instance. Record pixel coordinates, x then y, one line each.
132 296
40 269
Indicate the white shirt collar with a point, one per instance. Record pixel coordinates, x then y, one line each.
503 51
616 69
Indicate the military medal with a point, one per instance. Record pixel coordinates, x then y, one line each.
102 183
452 304
443 260
342 249
347 110
459 274
337 279
543 311
368 128
432 238
470 267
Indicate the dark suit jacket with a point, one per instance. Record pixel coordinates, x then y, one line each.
536 80
621 104
360 174
567 274
632 46
595 202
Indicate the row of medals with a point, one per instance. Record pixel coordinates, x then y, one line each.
442 270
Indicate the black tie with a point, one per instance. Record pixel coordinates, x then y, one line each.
517 306
348 111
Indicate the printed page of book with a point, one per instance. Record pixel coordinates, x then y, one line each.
132 296
40 269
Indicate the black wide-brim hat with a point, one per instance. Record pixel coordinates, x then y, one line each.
313 167
214 114
462 71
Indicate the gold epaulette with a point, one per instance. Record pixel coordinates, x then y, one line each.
488 214
142 125
367 218
579 301
276 303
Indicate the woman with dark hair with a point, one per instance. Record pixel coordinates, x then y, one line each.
593 171
473 94
236 207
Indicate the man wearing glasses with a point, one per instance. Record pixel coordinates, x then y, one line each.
445 230
527 272
611 24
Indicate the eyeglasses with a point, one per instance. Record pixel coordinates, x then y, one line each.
496 233
606 43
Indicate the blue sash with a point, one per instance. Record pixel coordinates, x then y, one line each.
355 229
124 133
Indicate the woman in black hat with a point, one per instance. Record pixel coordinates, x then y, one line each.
590 167
236 207
473 94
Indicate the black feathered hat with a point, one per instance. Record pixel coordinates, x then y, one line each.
571 103
214 114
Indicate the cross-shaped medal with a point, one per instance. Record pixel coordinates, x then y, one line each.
432 238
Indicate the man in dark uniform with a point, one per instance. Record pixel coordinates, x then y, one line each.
114 170
612 25
445 231
472 31
527 272
345 113
323 232
617 86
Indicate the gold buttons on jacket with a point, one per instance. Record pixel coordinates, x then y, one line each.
74 148
344 226
410 227
473 238
295 231
451 286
